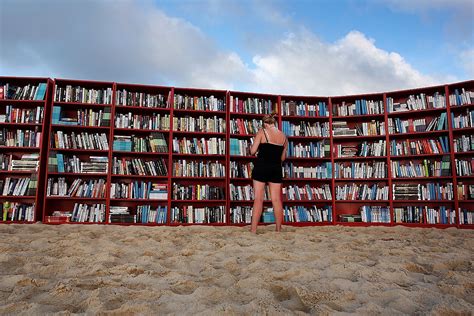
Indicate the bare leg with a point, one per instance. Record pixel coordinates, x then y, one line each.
259 191
275 192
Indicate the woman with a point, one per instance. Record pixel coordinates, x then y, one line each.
271 144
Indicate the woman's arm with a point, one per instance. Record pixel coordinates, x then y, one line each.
256 142
285 146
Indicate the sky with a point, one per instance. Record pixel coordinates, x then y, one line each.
299 47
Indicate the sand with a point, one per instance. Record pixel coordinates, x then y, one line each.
117 270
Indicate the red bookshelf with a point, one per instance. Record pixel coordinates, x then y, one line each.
24 113
199 157
342 138
140 156
77 179
461 103
246 111
305 122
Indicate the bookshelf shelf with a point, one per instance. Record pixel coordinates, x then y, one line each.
463 130
135 176
417 112
19 149
16 197
356 138
305 118
424 201
361 179
364 117
360 158
306 180
362 201
74 198
419 134
199 178
199 156
202 134
22 103
307 138
134 201
421 156
77 175
465 153
423 178
138 153
128 131
198 201
76 105
19 125
80 128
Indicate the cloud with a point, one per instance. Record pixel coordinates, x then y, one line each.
135 42
124 40
466 59
303 64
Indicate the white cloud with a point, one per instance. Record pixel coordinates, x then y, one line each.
136 42
124 40
303 64
467 61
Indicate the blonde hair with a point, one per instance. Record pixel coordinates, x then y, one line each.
270 118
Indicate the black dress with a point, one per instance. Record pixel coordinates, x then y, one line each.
267 167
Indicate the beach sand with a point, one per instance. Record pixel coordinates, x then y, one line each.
202 270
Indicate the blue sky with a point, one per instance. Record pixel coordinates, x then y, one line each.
316 47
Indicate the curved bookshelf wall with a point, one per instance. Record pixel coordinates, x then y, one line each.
129 154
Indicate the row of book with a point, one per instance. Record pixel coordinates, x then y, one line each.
292 108
425 192
464 167
463 120
373 128
419 147
203 146
61 163
426 168
360 107
465 191
199 124
201 103
461 97
245 127
464 143
27 92
27 162
19 115
306 129
362 192
155 142
322 171
243 214
197 192
18 186
139 190
141 99
364 149
245 192
251 106
374 214
20 138
84 140
403 126
241 169
144 214
306 192
93 188
13 211
417 102
138 121
81 117
424 215
198 215
240 147
138 166
186 168
82 95
360 170
312 214
319 149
